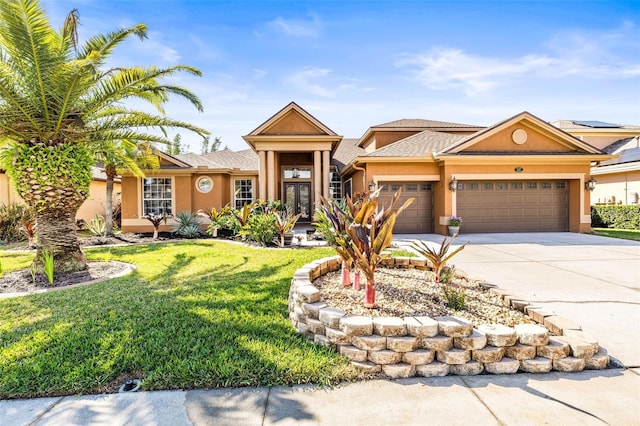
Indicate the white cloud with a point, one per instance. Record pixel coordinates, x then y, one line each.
320 82
309 27
607 55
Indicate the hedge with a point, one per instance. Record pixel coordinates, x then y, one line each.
616 216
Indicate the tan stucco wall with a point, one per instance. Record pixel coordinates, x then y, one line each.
218 197
185 197
616 188
502 141
384 138
379 170
7 194
95 204
292 123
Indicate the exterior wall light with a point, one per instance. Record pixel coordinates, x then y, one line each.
590 185
453 185
372 186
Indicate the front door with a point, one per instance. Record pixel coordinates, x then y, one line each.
297 199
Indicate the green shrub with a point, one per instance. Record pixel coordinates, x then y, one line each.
261 228
187 225
616 216
456 297
230 223
11 221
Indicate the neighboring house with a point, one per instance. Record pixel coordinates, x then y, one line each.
94 205
522 174
618 179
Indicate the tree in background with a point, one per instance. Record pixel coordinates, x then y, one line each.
215 146
119 156
58 106
176 147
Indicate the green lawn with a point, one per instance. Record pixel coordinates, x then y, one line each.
626 234
194 314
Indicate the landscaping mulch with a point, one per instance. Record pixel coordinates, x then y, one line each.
412 292
22 280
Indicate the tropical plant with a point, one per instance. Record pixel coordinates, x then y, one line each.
438 258
47 260
11 216
215 216
261 228
187 225
285 222
97 226
156 220
58 105
332 219
371 233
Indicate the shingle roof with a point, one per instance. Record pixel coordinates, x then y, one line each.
346 152
426 124
246 160
627 148
571 125
418 145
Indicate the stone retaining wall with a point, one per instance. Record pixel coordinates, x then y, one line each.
423 346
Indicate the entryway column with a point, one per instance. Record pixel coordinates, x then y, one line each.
271 176
317 176
325 174
262 175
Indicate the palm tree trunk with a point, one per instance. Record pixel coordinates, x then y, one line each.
57 236
110 171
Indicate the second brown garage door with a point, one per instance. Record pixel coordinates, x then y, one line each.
418 217
513 206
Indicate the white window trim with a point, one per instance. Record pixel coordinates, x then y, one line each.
141 193
233 187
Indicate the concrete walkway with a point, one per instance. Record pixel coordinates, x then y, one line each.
586 398
594 281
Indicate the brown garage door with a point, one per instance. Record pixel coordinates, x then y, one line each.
513 206
418 217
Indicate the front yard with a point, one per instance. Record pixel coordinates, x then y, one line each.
194 314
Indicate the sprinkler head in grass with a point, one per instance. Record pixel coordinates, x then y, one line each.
131 385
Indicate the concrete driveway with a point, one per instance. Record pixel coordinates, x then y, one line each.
592 280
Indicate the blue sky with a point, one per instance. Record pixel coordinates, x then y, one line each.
356 64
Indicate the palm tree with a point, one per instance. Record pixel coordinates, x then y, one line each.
58 107
118 156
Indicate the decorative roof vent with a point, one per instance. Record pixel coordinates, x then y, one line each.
519 136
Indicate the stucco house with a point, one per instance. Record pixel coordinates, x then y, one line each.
618 179
522 174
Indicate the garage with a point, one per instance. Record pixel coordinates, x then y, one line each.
418 217
513 206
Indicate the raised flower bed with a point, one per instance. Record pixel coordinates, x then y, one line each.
424 346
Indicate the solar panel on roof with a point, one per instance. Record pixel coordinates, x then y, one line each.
597 124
